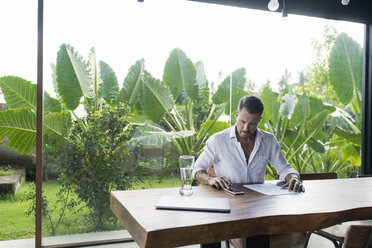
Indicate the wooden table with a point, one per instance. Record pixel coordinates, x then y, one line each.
325 203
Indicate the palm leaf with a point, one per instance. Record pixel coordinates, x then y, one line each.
180 75
156 98
132 86
19 125
346 68
18 92
73 77
110 87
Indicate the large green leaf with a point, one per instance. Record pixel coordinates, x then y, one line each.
235 99
156 98
54 79
201 79
238 81
272 106
217 126
155 136
110 87
355 138
95 72
51 104
317 106
18 92
56 126
317 120
180 75
346 68
352 154
132 86
294 139
73 77
19 125
288 105
301 111
317 146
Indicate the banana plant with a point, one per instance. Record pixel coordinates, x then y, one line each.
297 121
168 110
76 82
18 122
345 76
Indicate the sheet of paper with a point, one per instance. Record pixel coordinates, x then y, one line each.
269 189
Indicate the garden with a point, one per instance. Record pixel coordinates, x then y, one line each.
100 137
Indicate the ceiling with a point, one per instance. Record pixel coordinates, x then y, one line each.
356 11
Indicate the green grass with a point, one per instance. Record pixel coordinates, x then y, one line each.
155 182
16 224
6 172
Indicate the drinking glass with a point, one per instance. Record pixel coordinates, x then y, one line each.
186 167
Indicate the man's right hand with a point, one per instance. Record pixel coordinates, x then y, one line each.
219 182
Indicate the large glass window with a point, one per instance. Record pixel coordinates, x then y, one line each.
131 86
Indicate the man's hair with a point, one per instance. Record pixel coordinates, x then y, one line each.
252 104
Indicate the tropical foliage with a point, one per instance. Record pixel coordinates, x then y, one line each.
317 121
176 109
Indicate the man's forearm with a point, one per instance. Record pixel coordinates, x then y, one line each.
202 176
218 182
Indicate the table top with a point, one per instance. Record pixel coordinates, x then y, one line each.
325 203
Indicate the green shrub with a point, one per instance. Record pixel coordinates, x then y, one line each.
96 161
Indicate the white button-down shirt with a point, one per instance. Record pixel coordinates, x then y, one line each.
225 153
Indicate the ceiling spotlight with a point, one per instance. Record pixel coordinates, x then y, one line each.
274 5
345 2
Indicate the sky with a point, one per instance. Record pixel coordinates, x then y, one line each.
123 31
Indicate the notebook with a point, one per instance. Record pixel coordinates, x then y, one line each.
191 203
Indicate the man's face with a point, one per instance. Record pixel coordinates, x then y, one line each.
246 123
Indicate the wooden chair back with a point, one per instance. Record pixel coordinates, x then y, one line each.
358 236
365 175
318 176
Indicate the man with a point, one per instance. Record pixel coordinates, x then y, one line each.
240 154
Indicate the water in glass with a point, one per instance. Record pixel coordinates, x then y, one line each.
186 167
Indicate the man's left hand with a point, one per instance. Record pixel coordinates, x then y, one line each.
293 183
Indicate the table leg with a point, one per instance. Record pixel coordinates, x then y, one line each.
211 245
262 241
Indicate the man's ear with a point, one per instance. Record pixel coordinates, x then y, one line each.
236 114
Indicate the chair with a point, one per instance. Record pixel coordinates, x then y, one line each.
358 236
337 233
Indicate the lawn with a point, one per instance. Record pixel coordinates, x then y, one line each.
16 224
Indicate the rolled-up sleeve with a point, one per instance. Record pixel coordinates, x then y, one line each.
277 160
207 158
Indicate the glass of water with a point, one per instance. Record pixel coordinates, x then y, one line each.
186 167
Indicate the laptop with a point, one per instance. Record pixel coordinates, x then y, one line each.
191 203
